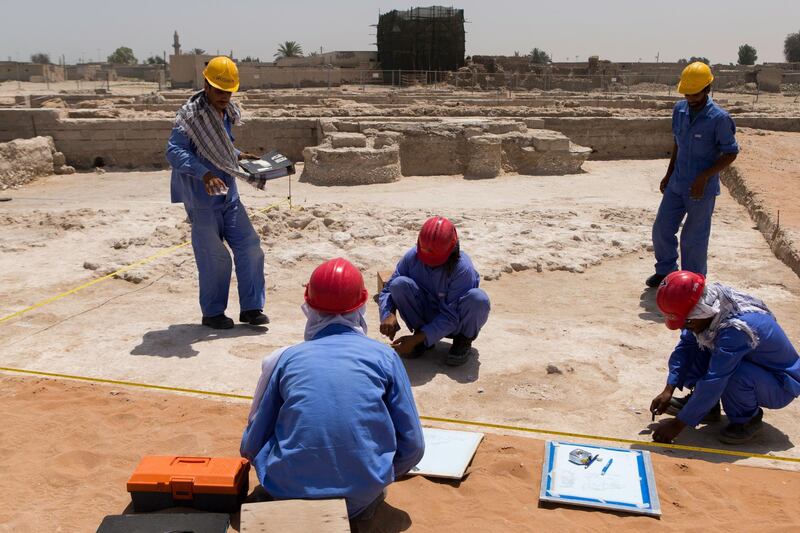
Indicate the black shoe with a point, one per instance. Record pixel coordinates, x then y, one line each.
254 317
655 280
741 433
459 351
676 404
218 322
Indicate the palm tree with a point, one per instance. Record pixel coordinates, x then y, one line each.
289 49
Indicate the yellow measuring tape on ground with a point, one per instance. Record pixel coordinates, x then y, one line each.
135 264
700 449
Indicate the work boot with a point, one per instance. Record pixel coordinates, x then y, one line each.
369 512
459 351
655 280
254 317
676 404
218 322
741 433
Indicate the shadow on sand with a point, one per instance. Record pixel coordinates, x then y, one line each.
177 339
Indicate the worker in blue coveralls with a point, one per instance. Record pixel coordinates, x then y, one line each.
731 349
435 289
333 417
204 163
704 144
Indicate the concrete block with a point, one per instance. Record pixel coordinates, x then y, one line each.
549 141
348 140
534 123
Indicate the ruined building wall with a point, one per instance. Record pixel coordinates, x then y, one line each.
133 143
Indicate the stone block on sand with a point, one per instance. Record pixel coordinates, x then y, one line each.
348 140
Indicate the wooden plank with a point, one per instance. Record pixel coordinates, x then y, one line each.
383 277
295 516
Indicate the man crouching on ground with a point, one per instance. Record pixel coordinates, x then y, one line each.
731 349
435 289
333 417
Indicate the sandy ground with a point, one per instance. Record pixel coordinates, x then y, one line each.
68 449
564 257
770 163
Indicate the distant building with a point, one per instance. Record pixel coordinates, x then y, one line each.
360 59
36 72
421 38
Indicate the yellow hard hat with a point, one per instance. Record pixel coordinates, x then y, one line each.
221 72
694 78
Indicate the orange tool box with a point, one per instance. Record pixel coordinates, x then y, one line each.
217 484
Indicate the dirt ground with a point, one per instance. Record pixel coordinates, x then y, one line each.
563 259
586 312
770 161
69 448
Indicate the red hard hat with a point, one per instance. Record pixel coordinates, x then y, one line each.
677 295
336 287
436 241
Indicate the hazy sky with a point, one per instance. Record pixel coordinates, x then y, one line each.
620 30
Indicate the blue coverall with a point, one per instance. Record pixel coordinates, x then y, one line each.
337 420
745 378
216 219
701 140
435 301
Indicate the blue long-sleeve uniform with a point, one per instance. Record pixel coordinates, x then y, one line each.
435 301
188 169
216 219
701 140
337 420
743 377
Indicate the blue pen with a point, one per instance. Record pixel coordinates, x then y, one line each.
605 468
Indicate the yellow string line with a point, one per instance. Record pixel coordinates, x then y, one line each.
140 262
539 431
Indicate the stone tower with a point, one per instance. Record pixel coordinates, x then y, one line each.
176 44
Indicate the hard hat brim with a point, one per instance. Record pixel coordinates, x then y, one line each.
685 88
220 87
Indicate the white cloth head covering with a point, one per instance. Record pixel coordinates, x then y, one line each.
317 321
725 304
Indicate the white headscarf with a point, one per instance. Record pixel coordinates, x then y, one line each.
316 322
725 304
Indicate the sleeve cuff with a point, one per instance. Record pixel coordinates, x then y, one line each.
689 422
430 336
199 170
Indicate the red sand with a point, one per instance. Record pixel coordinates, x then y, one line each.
67 449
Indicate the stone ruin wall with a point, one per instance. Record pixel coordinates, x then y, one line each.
141 142
369 151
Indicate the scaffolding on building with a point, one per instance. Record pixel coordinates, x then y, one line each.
421 38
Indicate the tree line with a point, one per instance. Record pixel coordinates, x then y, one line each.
124 55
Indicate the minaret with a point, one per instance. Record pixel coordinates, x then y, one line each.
176 44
